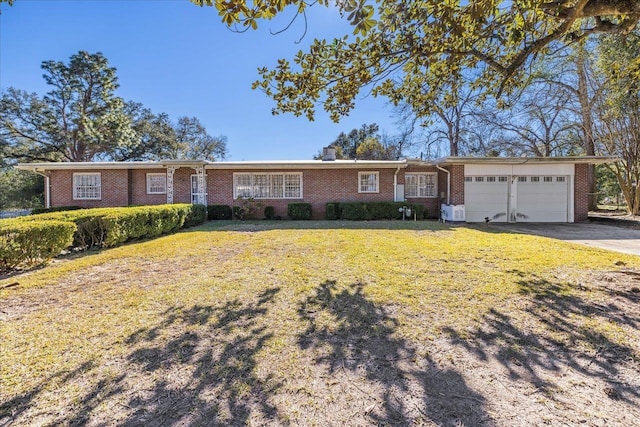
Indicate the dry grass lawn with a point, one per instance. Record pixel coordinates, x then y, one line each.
325 324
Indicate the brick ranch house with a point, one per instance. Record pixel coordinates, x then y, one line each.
470 189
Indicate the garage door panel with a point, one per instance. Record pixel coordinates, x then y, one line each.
533 199
485 200
542 201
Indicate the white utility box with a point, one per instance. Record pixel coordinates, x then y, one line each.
452 213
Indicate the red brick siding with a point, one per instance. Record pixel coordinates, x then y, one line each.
319 186
139 194
581 193
114 189
457 184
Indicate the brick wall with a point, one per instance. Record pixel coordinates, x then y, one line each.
581 193
115 191
138 186
319 186
457 183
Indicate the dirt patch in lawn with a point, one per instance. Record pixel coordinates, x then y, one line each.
276 329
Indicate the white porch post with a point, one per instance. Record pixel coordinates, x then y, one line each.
170 171
202 190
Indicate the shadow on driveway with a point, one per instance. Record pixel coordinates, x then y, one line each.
608 237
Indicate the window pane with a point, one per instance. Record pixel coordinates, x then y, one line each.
292 186
276 187
368 182
86 186
243 185
411 185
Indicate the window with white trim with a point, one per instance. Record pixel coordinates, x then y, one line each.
522 179
548 179
502 179
267 185
535 179
87 186
468 179
560 179
368 182
156 183
491 179
420 185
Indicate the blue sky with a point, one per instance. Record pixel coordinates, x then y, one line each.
178 58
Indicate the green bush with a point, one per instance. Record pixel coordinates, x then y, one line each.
248 208
363 211
354 211
113 226
217 212
299 211
38 211
332 211
269 212
29 243
196 216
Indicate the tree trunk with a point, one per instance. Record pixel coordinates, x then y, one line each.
587 123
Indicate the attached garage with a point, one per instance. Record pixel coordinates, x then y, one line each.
519 192
517 198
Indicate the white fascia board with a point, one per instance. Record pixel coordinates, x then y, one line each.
308 164
593 160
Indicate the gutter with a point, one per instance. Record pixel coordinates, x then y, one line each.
395 184
448 182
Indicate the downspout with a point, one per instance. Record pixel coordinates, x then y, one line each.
47 189
448 183
395 184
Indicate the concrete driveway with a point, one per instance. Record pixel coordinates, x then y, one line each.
609 237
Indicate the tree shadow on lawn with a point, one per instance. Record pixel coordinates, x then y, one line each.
197 367
557 335
351 335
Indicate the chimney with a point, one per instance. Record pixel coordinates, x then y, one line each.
328 154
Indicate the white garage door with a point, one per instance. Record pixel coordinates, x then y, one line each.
542 199
516 198
486 197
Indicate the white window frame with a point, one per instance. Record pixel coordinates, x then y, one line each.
424 193
268 185
76 187
367 184
156 175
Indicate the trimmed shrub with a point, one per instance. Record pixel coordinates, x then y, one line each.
217 212
299 211
332 211
38 211
360 211
354 211
29 243
269 212
196 216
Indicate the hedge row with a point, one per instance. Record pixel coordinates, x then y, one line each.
299 211
32 243
103 227
364 211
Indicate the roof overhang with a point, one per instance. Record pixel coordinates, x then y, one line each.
309 164
591 160
251 165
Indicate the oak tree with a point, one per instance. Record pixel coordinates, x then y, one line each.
412 51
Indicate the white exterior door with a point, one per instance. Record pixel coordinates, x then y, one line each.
195 190
486 198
